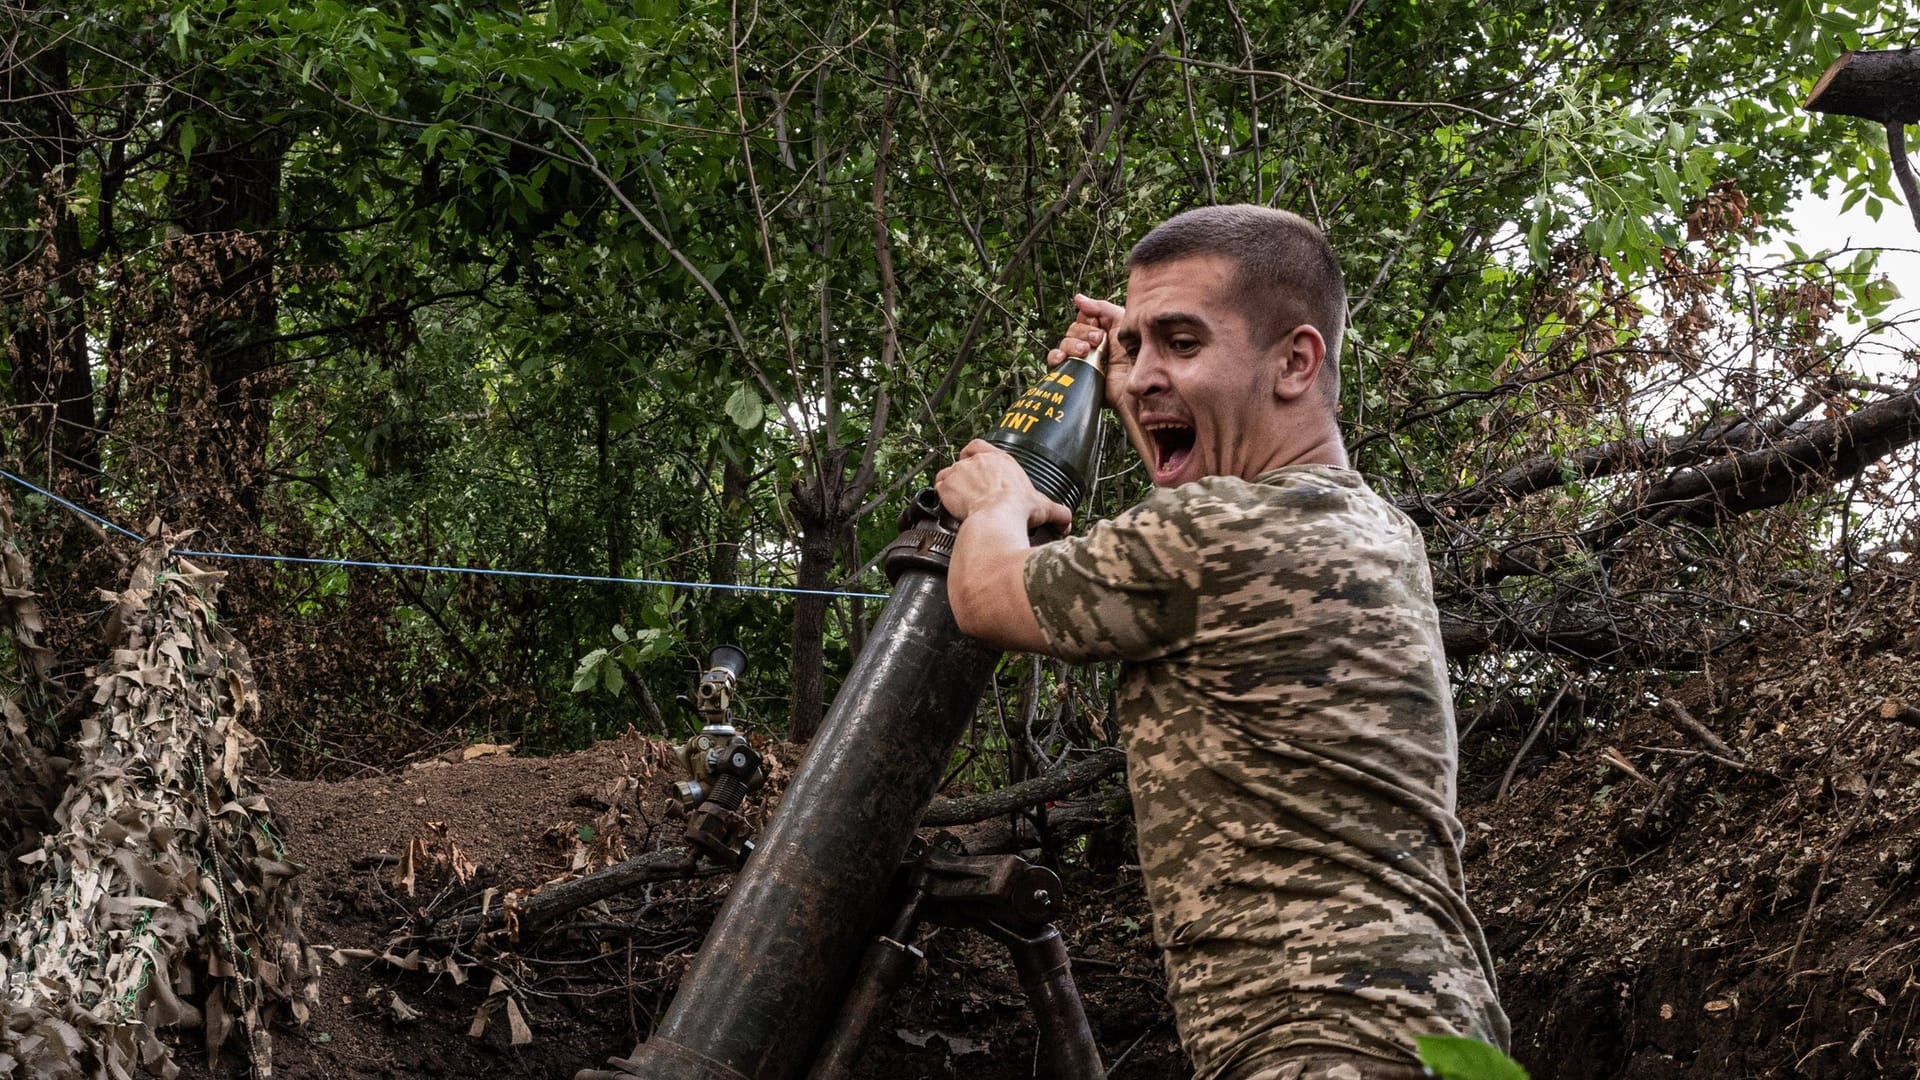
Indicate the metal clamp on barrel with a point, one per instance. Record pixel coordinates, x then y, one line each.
926 537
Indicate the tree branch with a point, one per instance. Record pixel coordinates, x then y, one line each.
1057 784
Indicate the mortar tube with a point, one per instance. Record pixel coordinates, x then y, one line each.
772 971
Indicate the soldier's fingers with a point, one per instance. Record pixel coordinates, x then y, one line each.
1055 357
1058 515
1104 313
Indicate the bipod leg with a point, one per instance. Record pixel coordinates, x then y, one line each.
1046 975
883 970
1012 901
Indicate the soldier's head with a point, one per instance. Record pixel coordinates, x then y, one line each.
1234 320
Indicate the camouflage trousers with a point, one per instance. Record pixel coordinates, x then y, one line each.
1336 1067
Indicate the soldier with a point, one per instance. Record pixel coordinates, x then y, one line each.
1289 725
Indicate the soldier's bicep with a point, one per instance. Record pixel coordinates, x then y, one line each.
1127 590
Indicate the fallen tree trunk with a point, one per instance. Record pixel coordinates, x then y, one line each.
1585 634
1065 820
556 902
1819 455
1784 460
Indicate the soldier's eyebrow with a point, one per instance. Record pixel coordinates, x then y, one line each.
1173 319
1165 322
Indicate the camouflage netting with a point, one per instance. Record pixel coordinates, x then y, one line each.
159 896
28 702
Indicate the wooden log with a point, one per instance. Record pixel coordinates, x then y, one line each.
1879 85
1066 820
558 901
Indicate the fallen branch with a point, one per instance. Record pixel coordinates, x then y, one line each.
1684 720
1588 635
1820 454
1545 471
1075 817
1055 785
557 901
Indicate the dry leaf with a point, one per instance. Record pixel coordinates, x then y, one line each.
517 1024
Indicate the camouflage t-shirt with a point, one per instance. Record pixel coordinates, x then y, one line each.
1291 751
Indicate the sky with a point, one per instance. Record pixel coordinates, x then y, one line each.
1817 224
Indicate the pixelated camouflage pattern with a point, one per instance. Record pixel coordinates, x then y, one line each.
1291 751
1338 1067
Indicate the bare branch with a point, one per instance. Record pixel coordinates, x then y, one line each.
1057 784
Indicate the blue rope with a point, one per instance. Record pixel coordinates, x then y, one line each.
431 568
81 510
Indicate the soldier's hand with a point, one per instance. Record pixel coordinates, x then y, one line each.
987 479
1095 322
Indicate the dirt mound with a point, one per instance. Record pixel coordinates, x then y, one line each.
576 994
1729 898
1720 881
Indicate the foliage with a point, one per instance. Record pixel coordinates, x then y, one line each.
691 291
1452 1058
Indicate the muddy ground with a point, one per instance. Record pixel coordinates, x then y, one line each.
1736 897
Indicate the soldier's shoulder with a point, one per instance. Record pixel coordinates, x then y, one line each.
1292 497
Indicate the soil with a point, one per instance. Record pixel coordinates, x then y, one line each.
1660 903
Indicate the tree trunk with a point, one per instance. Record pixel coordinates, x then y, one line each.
724 568
231 213
51 378
1883 86
820 506
1878 85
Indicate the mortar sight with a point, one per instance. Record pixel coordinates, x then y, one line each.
731 658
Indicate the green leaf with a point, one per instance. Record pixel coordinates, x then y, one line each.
1669 187
585 675
745 408
1454 1058
612 678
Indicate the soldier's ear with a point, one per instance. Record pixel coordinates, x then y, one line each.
1296 357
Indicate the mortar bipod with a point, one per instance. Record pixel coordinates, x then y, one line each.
1006 898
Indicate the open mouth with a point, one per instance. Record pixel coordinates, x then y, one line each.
1172 446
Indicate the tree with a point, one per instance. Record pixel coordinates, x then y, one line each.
698 292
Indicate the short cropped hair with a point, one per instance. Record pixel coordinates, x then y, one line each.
1287 271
